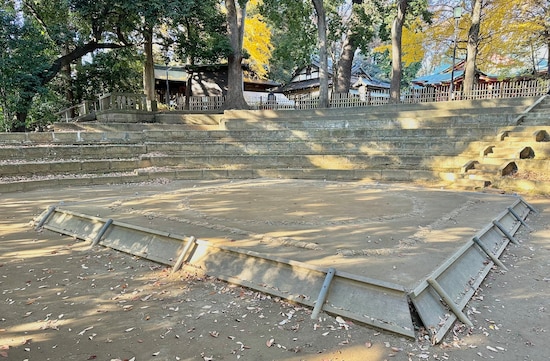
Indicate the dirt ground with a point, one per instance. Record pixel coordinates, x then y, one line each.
63 301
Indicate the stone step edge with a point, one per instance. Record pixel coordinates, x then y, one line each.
428 179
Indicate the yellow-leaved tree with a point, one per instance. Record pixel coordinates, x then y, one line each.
412 43
524 31
510 34
257 40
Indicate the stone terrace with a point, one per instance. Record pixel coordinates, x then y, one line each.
468 144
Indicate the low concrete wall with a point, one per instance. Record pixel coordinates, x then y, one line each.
180 117
460 107
125 116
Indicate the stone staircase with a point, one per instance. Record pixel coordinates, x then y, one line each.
451 143
518 158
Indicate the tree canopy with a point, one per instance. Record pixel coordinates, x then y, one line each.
59 52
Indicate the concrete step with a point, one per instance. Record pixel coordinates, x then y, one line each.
343 121
481 177
305 161
537 116
60 152
395 146
461 181
51 168
21 183
490 169
484 168
491 161
385 145
171 121
534 165
79 138
528 133
511 152
536 121
517 150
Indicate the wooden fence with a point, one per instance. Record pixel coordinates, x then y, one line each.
432 94
128 101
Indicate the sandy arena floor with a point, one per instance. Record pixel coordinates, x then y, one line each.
61 300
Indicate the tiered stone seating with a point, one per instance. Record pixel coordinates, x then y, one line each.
518 157
424 142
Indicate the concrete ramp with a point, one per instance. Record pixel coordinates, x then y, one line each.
452 246
440 298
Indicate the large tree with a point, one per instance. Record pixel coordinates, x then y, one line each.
184 31
72 29
359 20
107 72
409 17
196 34
396 40
323 54
472 48
236 14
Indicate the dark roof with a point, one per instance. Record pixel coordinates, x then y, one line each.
357 73
442 75
301 85
371 82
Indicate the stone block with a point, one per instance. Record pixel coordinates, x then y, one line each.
66 167
95 166
26 169
189 174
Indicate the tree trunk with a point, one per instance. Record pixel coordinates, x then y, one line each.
396 40
343 80
66 74
234 98
323 57
20 124
149 66
473 41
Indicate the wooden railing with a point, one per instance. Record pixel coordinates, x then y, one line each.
77 111
110 101
123 101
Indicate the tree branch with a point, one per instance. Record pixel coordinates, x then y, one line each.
77 53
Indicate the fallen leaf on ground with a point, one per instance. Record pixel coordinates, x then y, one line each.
86 329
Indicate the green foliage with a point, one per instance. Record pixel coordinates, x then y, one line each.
418 12
25 57
108 71
198 32
293 35
42 113
383 68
